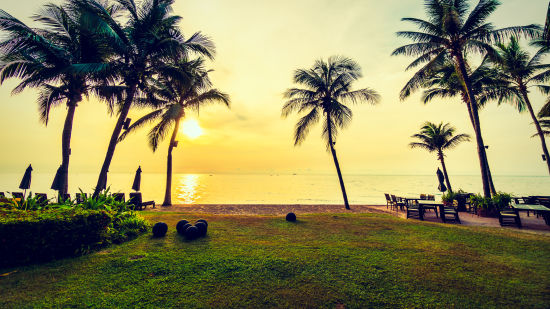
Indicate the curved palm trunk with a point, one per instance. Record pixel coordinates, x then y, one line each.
489 176
461 68
447 181
333 151
168 192
114 138
537 124
66 148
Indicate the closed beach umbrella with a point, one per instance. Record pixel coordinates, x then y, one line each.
56 184
137 180
441 179
26 181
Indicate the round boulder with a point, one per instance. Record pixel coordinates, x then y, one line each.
291 217
180 225
202 220
202 227
160 229
191 233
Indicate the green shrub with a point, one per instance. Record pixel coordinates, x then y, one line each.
498 202
127 225
502 200
35 236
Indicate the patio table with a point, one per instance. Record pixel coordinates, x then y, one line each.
535 207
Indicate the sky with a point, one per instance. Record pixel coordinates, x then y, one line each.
259 45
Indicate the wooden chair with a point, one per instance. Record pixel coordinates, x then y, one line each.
431 197
430 207
389 202
509 217
2 195
119 197
397 202
41 198
414 210
423 197
448 214
136 202
80 197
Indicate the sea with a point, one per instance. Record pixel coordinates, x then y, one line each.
279 188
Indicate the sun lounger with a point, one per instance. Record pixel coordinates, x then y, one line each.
80 197
41 199
137 203
18 195
119 197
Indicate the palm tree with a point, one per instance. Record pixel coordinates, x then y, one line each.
437 138
521 72
327 90
451 31
149 38
61 60
177 93
542 40
443 82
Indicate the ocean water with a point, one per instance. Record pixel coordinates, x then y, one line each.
279 189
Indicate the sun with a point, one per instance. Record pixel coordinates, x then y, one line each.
191 128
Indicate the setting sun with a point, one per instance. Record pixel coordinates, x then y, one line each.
191 128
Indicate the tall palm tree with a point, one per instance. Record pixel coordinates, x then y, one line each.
61 59
149 38
542 40
177 93
437 138
521 72
327 88
451 31
443 82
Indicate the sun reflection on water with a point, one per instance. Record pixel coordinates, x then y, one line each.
186 190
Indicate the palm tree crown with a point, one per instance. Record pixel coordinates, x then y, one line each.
438 137
327 88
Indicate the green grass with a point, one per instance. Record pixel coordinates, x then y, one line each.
320 261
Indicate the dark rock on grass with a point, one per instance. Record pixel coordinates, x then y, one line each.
291 217
160 229
180 226
191 233
202 227
202 220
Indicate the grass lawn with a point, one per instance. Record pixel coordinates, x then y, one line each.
320 261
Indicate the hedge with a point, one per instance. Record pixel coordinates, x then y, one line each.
39 236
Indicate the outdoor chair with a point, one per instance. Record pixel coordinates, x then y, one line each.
431 207
509 217
389 202
423 197
135 201
431 197
18 195
2 195
448 214
80 197
41 199
397 202
119 197
414 210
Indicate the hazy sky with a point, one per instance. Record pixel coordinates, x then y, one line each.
259 45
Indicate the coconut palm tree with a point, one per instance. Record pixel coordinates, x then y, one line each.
61 59
327 88
149 38
182 87
451 31
522 72
437 138
542 41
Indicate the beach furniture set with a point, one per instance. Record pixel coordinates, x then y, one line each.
416 207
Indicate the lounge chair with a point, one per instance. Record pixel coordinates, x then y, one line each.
80 197
41 199
2 195
119 197
509 217
135 201
18 195
448 214
414 210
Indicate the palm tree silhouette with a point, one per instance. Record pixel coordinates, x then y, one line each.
437 138
182 86
61 60
327 90
149 38
521 72
451 31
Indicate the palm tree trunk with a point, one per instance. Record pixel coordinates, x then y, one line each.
461 68
333 151
447 181
66 148
537 124
489 176
168 192
114 138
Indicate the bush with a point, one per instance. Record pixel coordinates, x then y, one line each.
36 236
126 226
